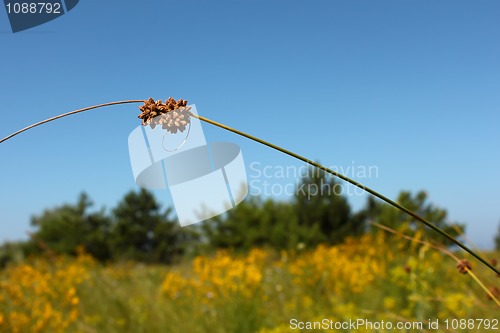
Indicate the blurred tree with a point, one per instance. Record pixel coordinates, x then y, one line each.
318 213
322 212
63 229
11 252
389 216
254 223
142 231
497 239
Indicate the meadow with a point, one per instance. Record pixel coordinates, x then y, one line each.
378 281
378 278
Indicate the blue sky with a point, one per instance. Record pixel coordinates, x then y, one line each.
412 88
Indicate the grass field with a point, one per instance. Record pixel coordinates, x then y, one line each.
378 277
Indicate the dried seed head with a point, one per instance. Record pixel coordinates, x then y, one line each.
495 292
463 266
493 262
177 120
155 112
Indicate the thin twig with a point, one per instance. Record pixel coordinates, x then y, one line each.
443 250
44 247
69 114
398 233
460 233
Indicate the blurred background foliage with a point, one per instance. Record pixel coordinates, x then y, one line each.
132 268
140 229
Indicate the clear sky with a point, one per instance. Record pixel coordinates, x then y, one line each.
411 88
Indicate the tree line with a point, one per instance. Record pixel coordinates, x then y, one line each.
140 229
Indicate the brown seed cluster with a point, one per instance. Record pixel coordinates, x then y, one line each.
464 265
172 115
495 292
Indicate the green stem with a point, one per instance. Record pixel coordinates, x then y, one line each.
355 183
278 148
69 114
